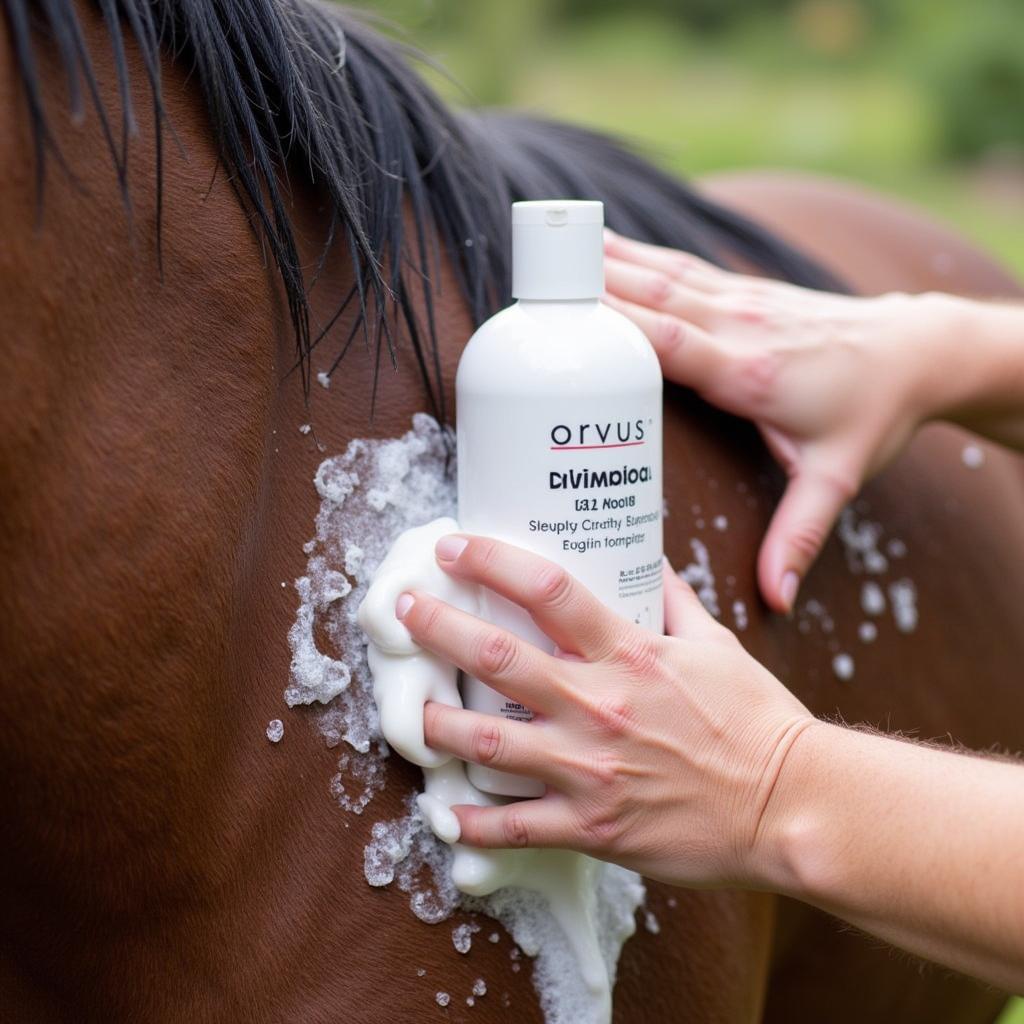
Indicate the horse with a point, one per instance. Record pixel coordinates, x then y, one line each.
205 209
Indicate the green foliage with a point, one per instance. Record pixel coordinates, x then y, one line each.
886 92
702 15
979 85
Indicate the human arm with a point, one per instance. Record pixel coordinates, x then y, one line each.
917 845
836 384
685 759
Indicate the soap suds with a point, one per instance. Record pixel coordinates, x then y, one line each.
739 614
479 988
352 537
973 457
903 598
369 496
701 577
275 730
359 779
868 632
305 428
442 998
334 483
404 852
814 611
896 548
388 847
720 523
860 541
353 560
323 379
842 665
651 923
462 936
872 599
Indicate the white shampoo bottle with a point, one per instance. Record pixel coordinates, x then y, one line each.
559 437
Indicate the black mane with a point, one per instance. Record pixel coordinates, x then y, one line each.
302 93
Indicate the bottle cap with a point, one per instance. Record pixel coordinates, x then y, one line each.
558 249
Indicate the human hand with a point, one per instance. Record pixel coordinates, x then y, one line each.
659 753
836 384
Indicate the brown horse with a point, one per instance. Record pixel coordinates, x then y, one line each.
161 860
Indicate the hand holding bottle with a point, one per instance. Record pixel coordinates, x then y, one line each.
659 752
683 758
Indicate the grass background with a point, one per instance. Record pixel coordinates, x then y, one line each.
923 99
821 85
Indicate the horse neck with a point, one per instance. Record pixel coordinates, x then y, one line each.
156 494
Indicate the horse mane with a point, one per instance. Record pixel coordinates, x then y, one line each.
301 93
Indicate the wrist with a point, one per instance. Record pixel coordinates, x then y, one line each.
794 835
972 358
945 372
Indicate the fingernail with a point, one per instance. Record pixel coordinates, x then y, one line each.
449 548
403 604
788 588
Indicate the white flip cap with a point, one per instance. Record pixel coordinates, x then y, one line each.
558 249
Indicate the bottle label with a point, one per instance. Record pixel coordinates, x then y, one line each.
577 480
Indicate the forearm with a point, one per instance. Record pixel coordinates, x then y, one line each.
976 378
919 846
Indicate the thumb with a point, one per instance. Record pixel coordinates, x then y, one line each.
798 530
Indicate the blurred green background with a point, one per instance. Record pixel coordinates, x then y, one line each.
921 98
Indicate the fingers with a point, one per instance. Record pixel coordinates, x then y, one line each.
682 266
799 528
563 608
655 290
683 610
498 657
540 823
518 747
687 353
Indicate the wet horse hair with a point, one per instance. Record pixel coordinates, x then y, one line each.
301 93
